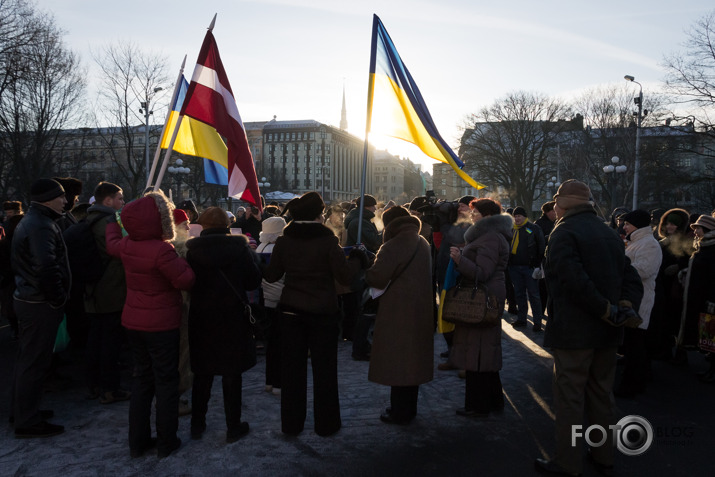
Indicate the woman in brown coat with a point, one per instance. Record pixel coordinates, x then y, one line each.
402 345
478 350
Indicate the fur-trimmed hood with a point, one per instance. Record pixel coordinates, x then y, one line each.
502 224
307 230
149 218
684 221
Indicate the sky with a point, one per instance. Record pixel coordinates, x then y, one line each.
292 58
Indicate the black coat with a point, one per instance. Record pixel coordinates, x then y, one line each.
586 271
220 335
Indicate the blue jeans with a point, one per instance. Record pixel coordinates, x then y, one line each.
523 283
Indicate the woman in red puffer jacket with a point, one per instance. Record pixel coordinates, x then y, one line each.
152 314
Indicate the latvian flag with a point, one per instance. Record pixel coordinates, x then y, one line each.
210 100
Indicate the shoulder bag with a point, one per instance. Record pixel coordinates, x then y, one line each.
471 306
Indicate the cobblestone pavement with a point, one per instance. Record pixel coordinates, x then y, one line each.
438 442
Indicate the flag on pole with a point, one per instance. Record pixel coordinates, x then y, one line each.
210 100
396 107
197 139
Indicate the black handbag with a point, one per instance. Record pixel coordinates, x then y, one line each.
471 306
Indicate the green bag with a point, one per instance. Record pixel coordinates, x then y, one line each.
63 338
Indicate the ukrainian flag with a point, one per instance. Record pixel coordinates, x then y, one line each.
197 139
396 107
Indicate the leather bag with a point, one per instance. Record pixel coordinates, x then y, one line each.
471 306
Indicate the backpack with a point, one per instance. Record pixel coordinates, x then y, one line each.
86 262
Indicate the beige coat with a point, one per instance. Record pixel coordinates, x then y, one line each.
646 255
403 343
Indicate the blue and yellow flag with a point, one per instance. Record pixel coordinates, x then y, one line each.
396 107
197 139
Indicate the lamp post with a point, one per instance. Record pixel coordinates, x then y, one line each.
615 169
178 171
146 110
636 167
553 184
263 184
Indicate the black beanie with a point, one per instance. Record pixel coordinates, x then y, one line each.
369 201
392 213
466 199
43 190
519 211
639 218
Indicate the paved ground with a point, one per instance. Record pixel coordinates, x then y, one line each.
437 443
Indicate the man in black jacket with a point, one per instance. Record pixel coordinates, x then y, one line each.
527 250
39 258
592 284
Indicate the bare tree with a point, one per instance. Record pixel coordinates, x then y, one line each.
508 144
41 84
690 80
130 79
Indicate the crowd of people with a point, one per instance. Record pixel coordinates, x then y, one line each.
191 292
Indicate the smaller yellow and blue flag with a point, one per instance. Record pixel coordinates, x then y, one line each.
396 107
197 139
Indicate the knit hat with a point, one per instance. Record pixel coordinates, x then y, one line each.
392 213
572 193
465 199
705 221
273 225
370 201
180 216
638 218
214 218
308 206
43 190
519 211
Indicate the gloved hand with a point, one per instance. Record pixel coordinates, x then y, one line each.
537 274
628 317
360 255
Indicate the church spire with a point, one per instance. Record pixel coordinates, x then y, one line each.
344 114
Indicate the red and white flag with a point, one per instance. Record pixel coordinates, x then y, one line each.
210 100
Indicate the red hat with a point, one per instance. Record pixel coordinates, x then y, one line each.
180 216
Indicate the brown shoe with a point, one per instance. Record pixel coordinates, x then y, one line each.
445 367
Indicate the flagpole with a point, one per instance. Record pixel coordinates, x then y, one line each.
157 154
368 119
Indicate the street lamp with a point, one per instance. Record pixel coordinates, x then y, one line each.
178 171
146 110
636 167
615 169
553 184
263 184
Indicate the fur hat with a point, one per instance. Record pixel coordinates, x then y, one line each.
273 225
519 211
419 203
43 190
180 216
214 218
308 206
12 205
572 193
638 218
394 212
72 187
705 221
465 199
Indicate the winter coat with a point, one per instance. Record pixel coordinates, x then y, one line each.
154 272
546 226
271 291
368 235
309 256
484 259
530 250
645 255
39 258
586 271
220 335
402 344
699 287
108 294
